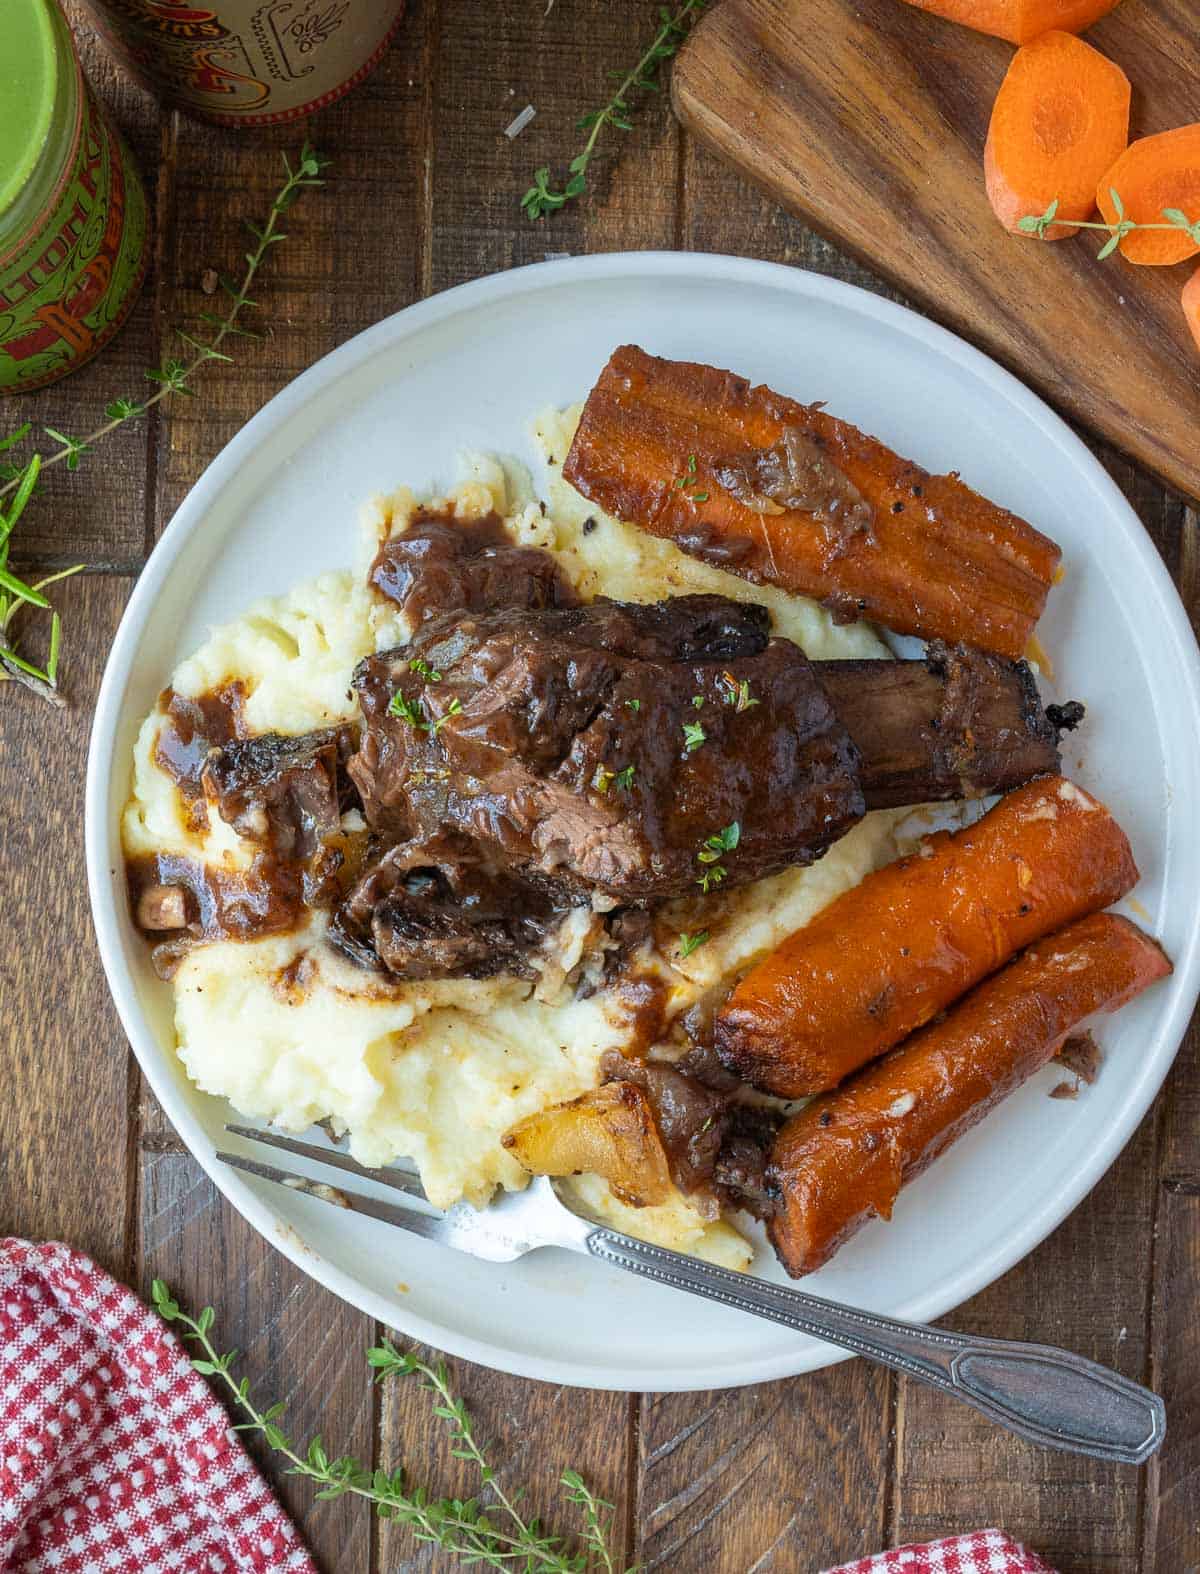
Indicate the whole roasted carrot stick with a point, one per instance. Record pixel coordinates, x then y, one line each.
888 955
845 1156
782 492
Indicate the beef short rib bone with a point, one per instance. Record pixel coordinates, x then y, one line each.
600 747
960 724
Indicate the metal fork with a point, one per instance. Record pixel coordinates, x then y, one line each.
1050 1396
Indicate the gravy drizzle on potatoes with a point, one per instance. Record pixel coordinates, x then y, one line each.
289 1030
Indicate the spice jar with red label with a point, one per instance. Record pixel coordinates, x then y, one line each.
73 241
248 62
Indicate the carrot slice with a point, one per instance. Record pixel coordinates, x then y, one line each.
1153 176
1191 305
1061 118
1020 21
843 1159
886 956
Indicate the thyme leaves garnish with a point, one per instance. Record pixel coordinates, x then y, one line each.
410 711
693 736
689 943
737 692
713 848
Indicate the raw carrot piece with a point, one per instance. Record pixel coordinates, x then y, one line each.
1191 305
1154 175
1061 118
885 957
1020 21
843 1159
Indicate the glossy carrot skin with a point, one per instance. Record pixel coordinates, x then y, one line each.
842 1160
888 955
939 560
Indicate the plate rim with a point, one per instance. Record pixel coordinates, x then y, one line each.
101 842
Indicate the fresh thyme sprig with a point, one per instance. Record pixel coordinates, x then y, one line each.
542 198
173 377
493 1535
1038 223
16 595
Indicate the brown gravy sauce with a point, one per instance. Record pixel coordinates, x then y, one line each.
192 726
444 564
270 897
796 474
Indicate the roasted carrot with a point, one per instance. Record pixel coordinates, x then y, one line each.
843 1159
1154 177
781 492
1061 118
1191 305
1020 21
888 955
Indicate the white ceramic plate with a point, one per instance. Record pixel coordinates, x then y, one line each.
465 370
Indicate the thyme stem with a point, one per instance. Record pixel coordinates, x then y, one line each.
457 1526
541 198
173 377
175 374
1172 219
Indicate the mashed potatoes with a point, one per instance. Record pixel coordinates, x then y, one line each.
290 1031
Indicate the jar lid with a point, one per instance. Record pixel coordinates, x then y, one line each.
28 85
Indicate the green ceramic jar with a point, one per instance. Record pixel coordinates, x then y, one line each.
73 240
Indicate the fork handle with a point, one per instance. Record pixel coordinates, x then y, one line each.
1049 1396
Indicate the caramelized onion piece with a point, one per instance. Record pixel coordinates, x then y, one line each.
609 1131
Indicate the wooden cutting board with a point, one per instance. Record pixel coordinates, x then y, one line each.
867 118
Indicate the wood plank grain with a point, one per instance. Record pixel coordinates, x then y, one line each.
781 1476
300 1344
557 59
1172 1518
65 1171
353 254
101 521
531 1432
1086 1288
1172 1497
868 117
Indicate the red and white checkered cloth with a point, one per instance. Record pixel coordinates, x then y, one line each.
982 1552
114 1456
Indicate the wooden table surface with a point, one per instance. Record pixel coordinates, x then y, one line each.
789 1477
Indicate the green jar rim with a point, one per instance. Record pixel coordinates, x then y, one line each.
28 90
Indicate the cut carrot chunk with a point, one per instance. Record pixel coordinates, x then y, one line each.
1155 176
1191 305
925 929
843 1159
1020 21
1060 120
692 454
